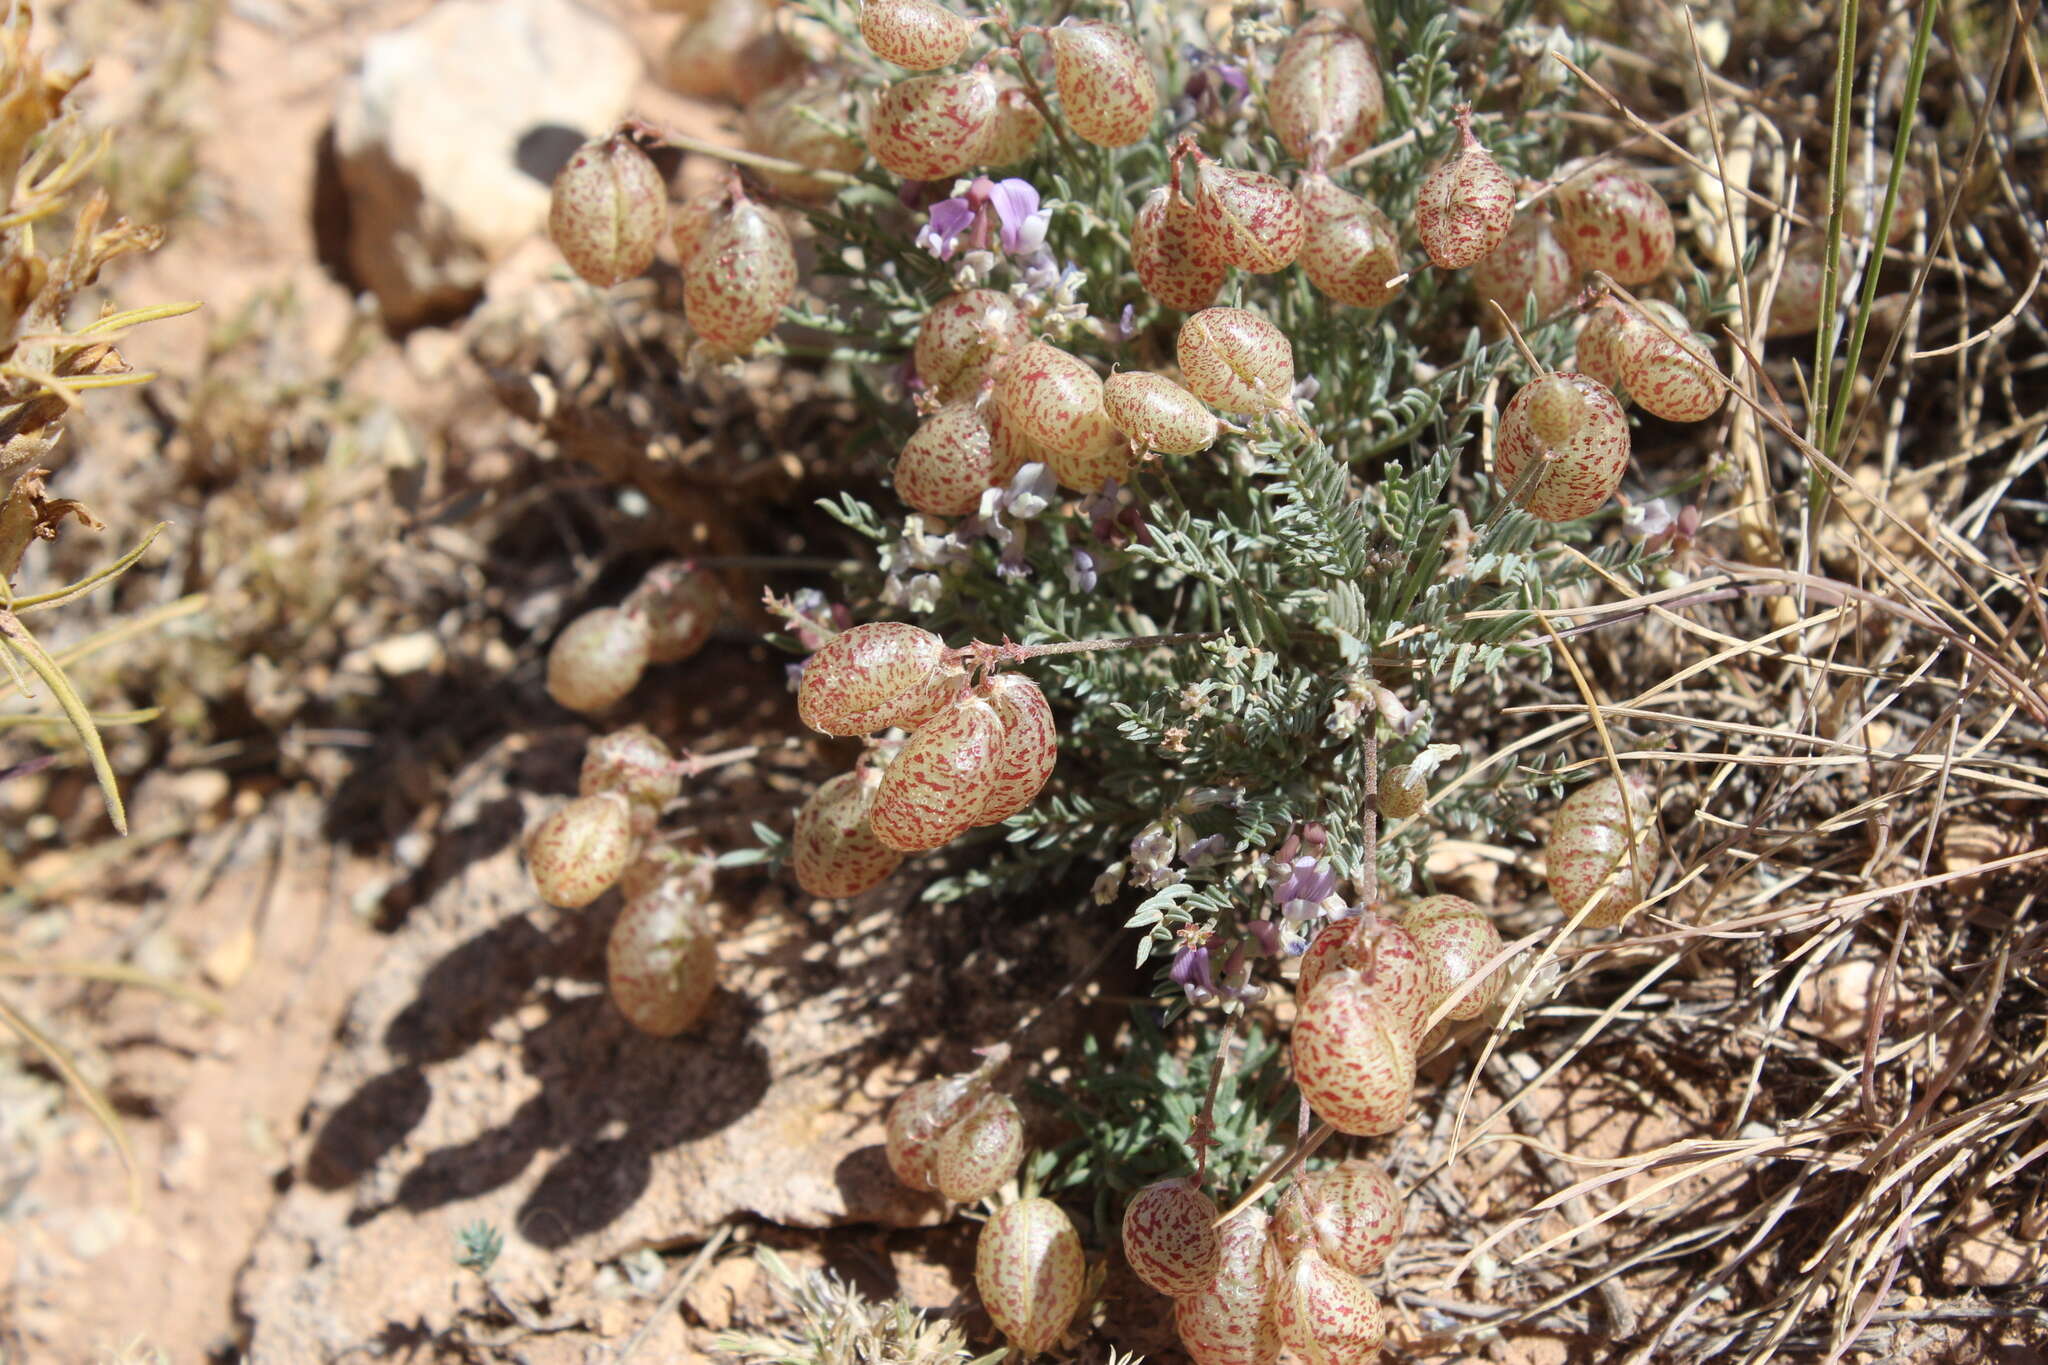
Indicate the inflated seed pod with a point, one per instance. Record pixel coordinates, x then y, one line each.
1613 221
922 35
1796 303
1107 455
966 338
598 659
1324 953
1529 267
1252 220
1325 93
801 120
1574 429
1457 941
1235 360
833 850
607 210
1010 448
681 604
1231 1320
658 863
1054 398
1465 206
980 1151
868 678
1604 840
1351 1211
1158 413
661 961
1354 1059
1401 792
702 60
1014 134
692 219
946 465
741 277
579 851
1029 748
932 127
635 764
1597 353
920 1117
764 61
1105 84
1326 1315
1386 958
1172 254
1169 1237
1031 1273
937 784
1670 378
1350 250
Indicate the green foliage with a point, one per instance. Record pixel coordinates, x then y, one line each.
478 1246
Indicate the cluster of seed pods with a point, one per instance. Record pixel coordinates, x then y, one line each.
978 753
1562 446
661 960
957 1135
1368 988
601 655
1246 1288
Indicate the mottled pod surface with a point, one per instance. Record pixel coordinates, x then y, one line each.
1354 1061
1597 352
1230 1321
576 853
1158 413
979 1153
833 850
1800 282
632 762
965 339
1457 941
1170 1239
921 35
947 464
661 961
607 210
1351 1211
1324 100
1326 1315
1106 87
866 678
1172 254
1529 271
1029 749
1107 455
598 659
932 127
1613 221
917 1120
1668 368
1604 840
742 276
1014 133
681 604
1253 221
1569 429
1351 251
1031 1273
1465 206
801 120
1388 961
1236 360
1053 398
935 787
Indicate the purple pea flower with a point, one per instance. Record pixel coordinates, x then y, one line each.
1081 570
1011 207
1192 973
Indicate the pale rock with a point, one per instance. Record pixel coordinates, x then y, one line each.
445 135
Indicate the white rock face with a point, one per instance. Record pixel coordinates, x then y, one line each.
443 138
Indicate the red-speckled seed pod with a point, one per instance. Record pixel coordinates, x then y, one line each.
635 764
578 852
1796 303
1605 843
979 1153
1324 954
801 120
1351 249
966 338
1030 746
1327 1316
680 603
598 659
1230 1321
1530 265
1574 426
1672 379
1351 1211
1465 206
1252 220
1354 1059
1325 93
919 34
867 678
1172 254
1386 958
1597 353
1018 126
1031 1273
1106 88
661 961
692 219
1054 398
1457 940
1170 1237
833 851
1614 221
946 466
740 279
919 1118
932 127
608 210
1158 413
1010 448
1108 455
937 784
1235 360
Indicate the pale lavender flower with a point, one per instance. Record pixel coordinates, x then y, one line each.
950 221
1210 849
1016 203
1081 575
1191 972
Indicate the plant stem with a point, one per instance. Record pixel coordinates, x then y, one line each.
669 138
1201 1138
